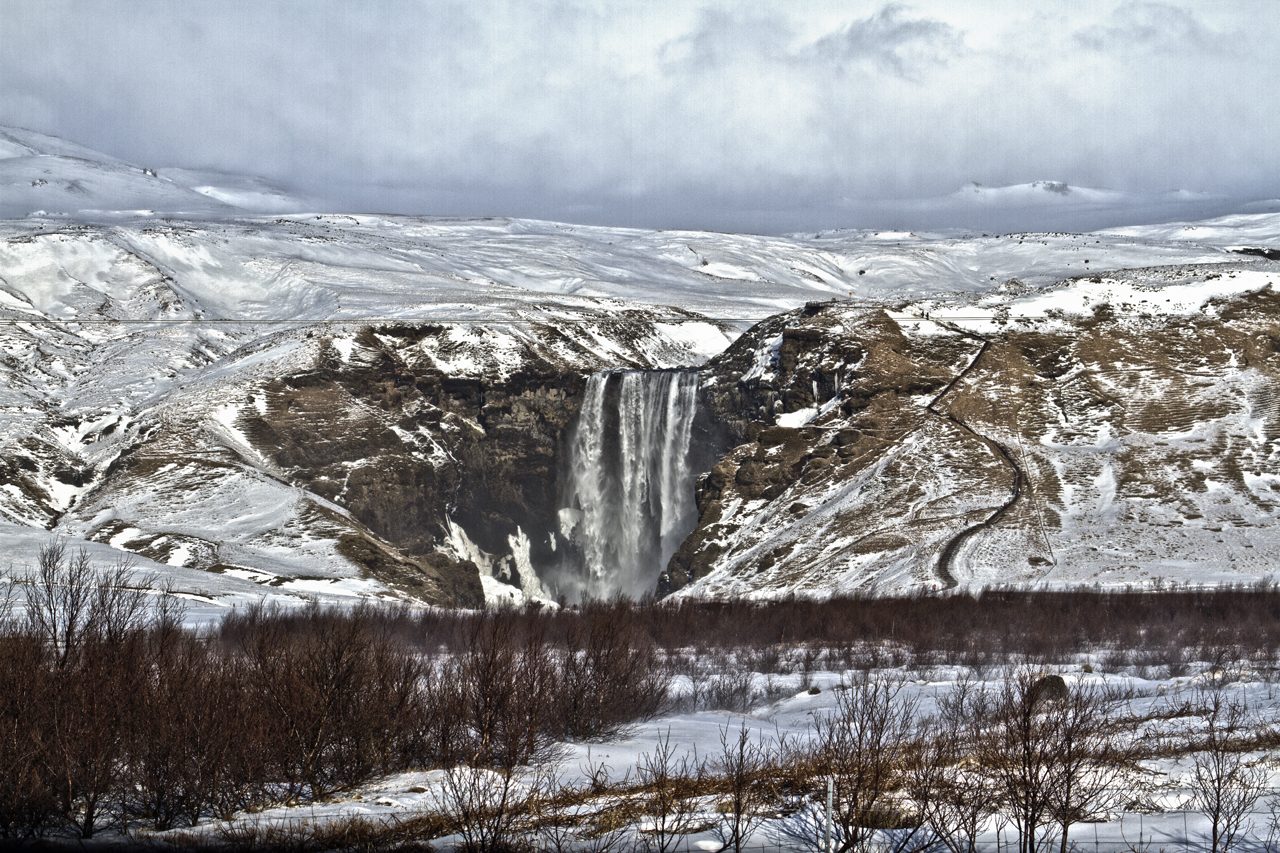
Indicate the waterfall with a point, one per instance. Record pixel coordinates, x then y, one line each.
628 498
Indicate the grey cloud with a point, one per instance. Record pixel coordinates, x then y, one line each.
726 37
711 114
894 40
1156 27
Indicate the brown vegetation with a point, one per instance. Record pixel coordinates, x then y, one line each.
114 715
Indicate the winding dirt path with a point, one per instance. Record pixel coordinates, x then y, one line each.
947 556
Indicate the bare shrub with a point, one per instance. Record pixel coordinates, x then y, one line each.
766 659
492 809
668 791
509 686
170 767
865 745
1225 786
1092 757
1017 751
27 802
611 673
949 790
733 690
91 623
439 717
322 685
746 786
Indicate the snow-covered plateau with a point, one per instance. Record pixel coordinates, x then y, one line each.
318 406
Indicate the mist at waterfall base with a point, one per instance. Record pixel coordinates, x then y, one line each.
628 500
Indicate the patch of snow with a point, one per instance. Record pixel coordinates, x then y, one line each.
344 346
1105 483
704 339
181 555
798 418
123 538
766 359
63 495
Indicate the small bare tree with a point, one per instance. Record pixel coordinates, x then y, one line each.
1225 786
27 801
668 786
865 745
1017 753
611 674
1093 757
60 599
747 786
92 623
491 808
947 786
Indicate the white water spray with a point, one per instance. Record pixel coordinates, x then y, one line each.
628 502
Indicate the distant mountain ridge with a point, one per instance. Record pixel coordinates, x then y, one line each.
45 174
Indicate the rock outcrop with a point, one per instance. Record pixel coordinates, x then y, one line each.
910 447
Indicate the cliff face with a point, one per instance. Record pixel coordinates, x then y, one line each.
154 405
820 402
429 456
423 457
1128 437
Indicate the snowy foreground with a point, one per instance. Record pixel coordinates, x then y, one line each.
1151 809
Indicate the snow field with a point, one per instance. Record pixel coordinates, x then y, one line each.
1158 803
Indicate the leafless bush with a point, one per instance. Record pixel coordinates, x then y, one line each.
1017 751
733 690
1094 757
27 802
173 768
865 745
747 785
765 659
319 692
510 684
441 736
611 673
492 809
1225 786
91 624
947 786
669 788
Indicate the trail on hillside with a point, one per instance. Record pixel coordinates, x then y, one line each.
947 556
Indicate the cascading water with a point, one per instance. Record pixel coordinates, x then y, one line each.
628 501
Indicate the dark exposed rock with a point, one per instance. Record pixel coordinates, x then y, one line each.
1269 254
1049 688
405 447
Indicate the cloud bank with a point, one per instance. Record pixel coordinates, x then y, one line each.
762 116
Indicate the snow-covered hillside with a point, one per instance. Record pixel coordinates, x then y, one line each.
314 404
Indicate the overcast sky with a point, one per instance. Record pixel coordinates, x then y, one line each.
735 115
